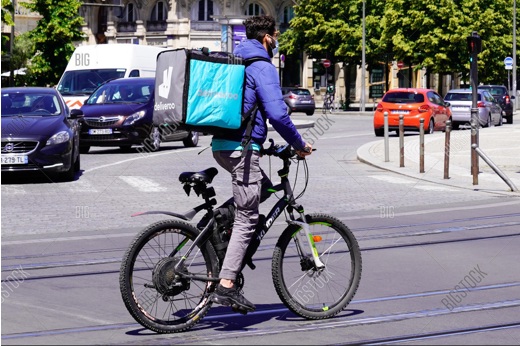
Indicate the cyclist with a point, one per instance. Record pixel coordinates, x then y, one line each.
248 179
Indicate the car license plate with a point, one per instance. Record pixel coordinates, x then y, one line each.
15 159
100 131
400 111
306 101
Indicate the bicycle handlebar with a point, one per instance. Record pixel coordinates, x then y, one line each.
283 151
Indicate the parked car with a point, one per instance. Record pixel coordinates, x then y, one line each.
39 132
499 92
299 100
120 113
414 104
461 100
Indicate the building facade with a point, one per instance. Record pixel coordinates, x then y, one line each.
217 24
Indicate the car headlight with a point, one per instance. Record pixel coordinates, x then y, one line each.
60 137
130 120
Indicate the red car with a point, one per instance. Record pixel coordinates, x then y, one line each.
414 104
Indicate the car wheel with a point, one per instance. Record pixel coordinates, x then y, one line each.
455 125
379 132
69 174
431 127
154 140
84 149
77 164
192 140
310 113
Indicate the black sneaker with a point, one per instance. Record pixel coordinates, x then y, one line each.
231 297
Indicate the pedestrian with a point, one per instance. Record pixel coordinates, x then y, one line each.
249 182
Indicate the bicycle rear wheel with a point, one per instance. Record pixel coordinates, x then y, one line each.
153 292
317 293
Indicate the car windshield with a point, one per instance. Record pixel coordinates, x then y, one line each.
30 104
121 93
84 82
460 97
301 92
495 91
403 97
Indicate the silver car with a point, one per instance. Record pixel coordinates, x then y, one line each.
489 111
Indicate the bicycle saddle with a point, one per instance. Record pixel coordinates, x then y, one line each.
205 176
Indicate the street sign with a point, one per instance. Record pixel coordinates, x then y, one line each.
400 64
326 63
509 63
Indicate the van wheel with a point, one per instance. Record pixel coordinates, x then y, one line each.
192 140
125 148
84 149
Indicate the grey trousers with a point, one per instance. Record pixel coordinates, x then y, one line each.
250 185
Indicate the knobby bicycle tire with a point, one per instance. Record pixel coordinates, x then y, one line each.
306 291
147 273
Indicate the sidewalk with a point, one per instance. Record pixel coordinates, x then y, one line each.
500 144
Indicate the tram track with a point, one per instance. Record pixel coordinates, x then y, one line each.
197 335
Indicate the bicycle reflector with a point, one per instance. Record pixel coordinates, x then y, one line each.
316 238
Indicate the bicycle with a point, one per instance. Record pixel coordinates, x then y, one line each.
171 268
328 104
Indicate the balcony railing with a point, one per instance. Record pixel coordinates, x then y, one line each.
156 25
126 26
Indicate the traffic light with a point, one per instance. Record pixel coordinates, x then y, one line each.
474 43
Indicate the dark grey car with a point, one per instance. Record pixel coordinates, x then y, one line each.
299 100
499 92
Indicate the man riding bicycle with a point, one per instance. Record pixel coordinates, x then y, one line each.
248 179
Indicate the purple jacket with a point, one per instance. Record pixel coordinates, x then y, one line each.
263 86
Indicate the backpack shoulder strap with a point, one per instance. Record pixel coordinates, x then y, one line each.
252 112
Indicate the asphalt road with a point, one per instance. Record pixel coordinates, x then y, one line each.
440 264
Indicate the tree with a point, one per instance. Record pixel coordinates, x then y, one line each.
53 38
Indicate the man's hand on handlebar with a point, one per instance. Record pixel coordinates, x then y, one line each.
306 151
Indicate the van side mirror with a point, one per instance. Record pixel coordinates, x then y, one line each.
76 113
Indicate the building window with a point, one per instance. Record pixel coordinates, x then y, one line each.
159 12
254 10
130 13
287 15
205 10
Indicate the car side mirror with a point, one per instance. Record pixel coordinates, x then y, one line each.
447 104
76 114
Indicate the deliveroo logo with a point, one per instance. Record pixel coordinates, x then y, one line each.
164 87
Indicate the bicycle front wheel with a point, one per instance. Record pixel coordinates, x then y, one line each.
310 292
156 295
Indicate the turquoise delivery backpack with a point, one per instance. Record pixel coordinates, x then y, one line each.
201 91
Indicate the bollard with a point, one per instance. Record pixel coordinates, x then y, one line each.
401 140
447 150
421 146
387 150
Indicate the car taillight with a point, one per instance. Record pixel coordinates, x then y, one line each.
507 99
424 108
379 107
481 104
293 96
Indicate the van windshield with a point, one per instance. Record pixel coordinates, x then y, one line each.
84 82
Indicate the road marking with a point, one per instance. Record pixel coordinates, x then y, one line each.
141 156
143 184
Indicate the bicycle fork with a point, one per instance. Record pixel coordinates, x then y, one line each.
318 264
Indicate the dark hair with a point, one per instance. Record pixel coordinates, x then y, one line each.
258 26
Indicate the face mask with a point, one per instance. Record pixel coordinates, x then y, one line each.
273 46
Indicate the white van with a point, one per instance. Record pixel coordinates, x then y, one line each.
91 65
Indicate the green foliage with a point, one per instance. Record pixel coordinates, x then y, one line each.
53 38
7 19
424 33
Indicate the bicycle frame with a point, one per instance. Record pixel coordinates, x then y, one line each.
286 202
